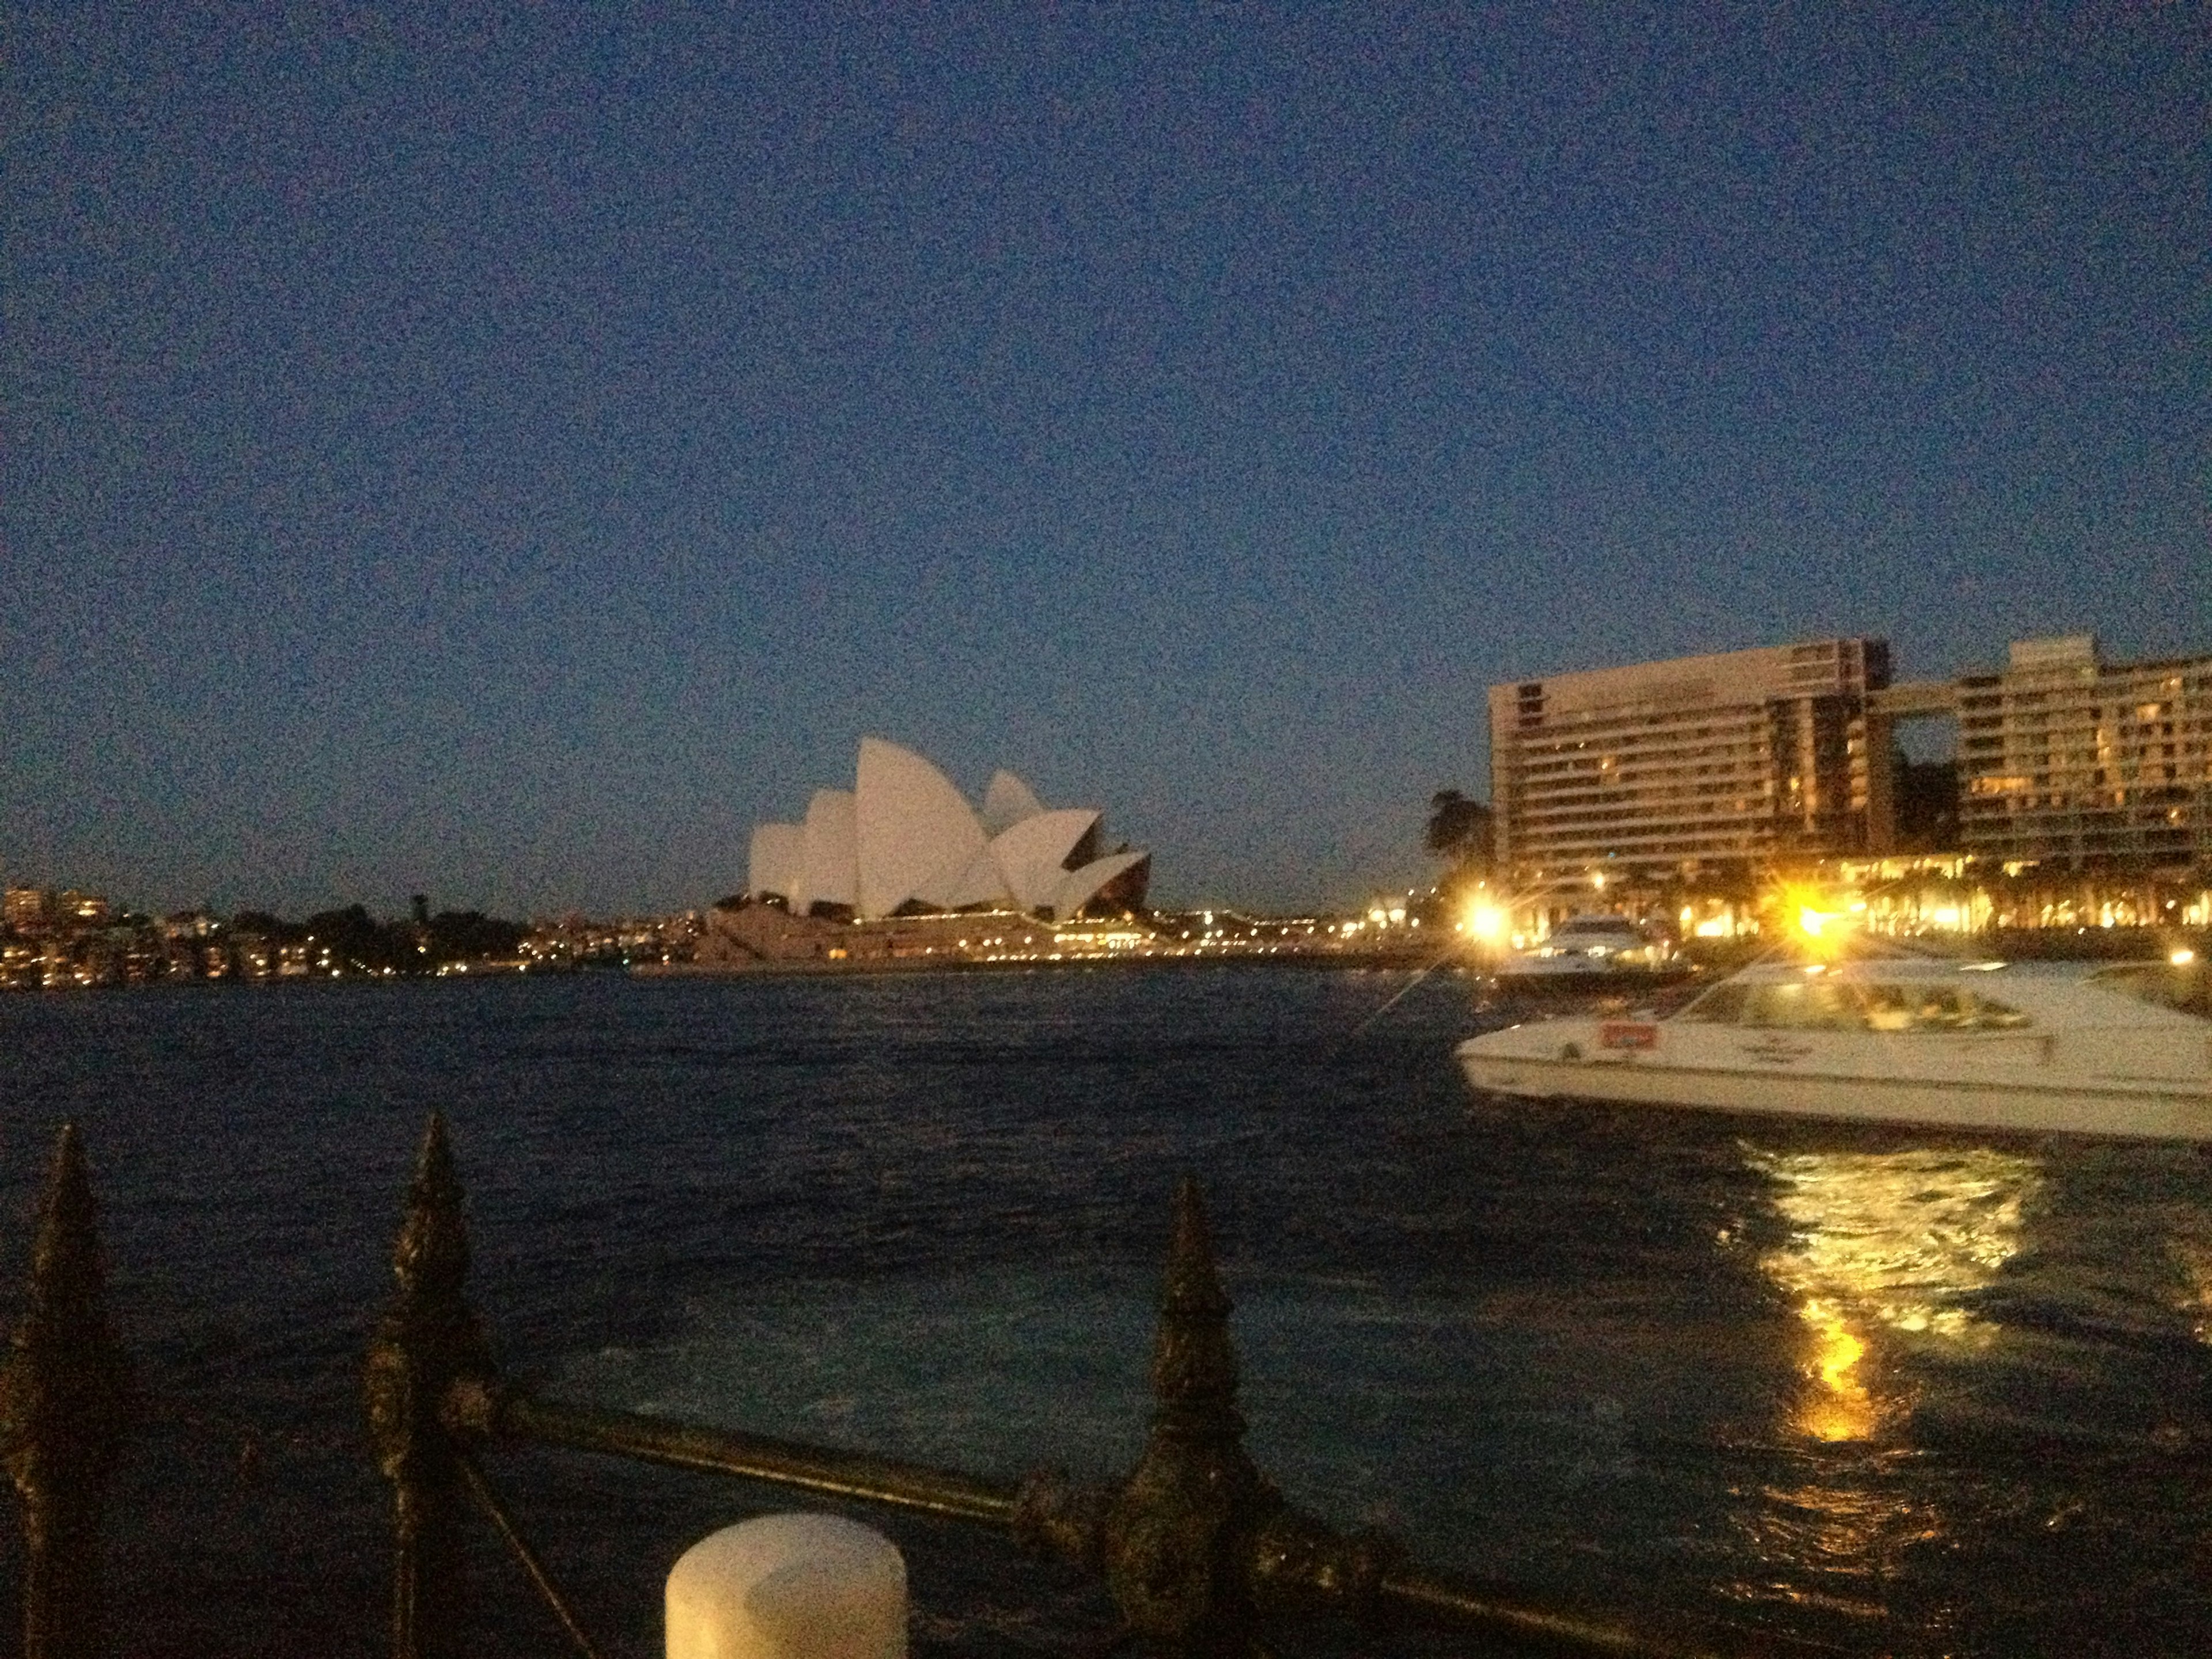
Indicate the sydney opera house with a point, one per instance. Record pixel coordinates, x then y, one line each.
903 846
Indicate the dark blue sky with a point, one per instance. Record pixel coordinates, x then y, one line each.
506 460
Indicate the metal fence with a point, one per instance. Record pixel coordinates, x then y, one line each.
1199 1551
65 1403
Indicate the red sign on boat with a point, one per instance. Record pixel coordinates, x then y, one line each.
1627 1034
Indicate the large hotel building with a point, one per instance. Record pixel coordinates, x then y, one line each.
1671 766
2064 757
1783 754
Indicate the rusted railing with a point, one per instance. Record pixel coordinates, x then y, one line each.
1199 1551
65 1403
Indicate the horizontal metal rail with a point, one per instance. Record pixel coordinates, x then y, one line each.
1496 1610
1198 1549
1405 1592
830 1473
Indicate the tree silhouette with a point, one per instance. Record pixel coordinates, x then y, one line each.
1460 830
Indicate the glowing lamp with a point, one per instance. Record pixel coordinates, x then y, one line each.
1486 922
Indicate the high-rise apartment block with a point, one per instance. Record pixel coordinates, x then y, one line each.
2064 757
1670 767
27 909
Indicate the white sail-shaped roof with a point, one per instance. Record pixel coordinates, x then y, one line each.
915 836
1079 887
1032 856
773 864
1007 802
904 834
979 883
832 859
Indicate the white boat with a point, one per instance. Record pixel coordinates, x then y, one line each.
1585 947
2070 1047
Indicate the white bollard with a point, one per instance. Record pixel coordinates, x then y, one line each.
789 1587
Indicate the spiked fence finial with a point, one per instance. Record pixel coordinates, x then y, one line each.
431 1258
427 1340
65 1403
1193 1362
1175 1533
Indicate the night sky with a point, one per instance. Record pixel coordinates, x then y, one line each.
505 460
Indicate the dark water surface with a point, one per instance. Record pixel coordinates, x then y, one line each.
1897 1394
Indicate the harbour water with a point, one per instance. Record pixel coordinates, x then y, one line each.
1894 1392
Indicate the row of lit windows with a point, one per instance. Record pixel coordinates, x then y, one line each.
1657 722
1624 795
2086 731
1715 784
1701 783
1740 832
2102 747
1582 758
1614 782
1629 804
1604 834
1681 746
2110 841
1699 760
2159 800
1713 812
2144 715
1662 742
2082 777
1556 766
1666 744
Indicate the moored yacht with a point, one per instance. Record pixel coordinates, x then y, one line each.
1586 948
2075 1048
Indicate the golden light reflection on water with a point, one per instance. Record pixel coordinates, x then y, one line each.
1888 1242
2192 1256
1841 1408
1886 1249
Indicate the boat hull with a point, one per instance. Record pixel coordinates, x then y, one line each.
1996 1103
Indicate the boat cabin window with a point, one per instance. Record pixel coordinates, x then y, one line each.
1829 1004
1937 1008
1722 1006
1611 935
1817 1004
2186 988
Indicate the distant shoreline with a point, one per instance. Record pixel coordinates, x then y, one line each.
812 969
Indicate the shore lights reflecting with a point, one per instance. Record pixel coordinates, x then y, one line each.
1887 1245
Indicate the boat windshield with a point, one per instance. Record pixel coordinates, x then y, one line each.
1830 1005
2186 988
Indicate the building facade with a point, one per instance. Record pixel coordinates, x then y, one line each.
2066 758
1678 766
